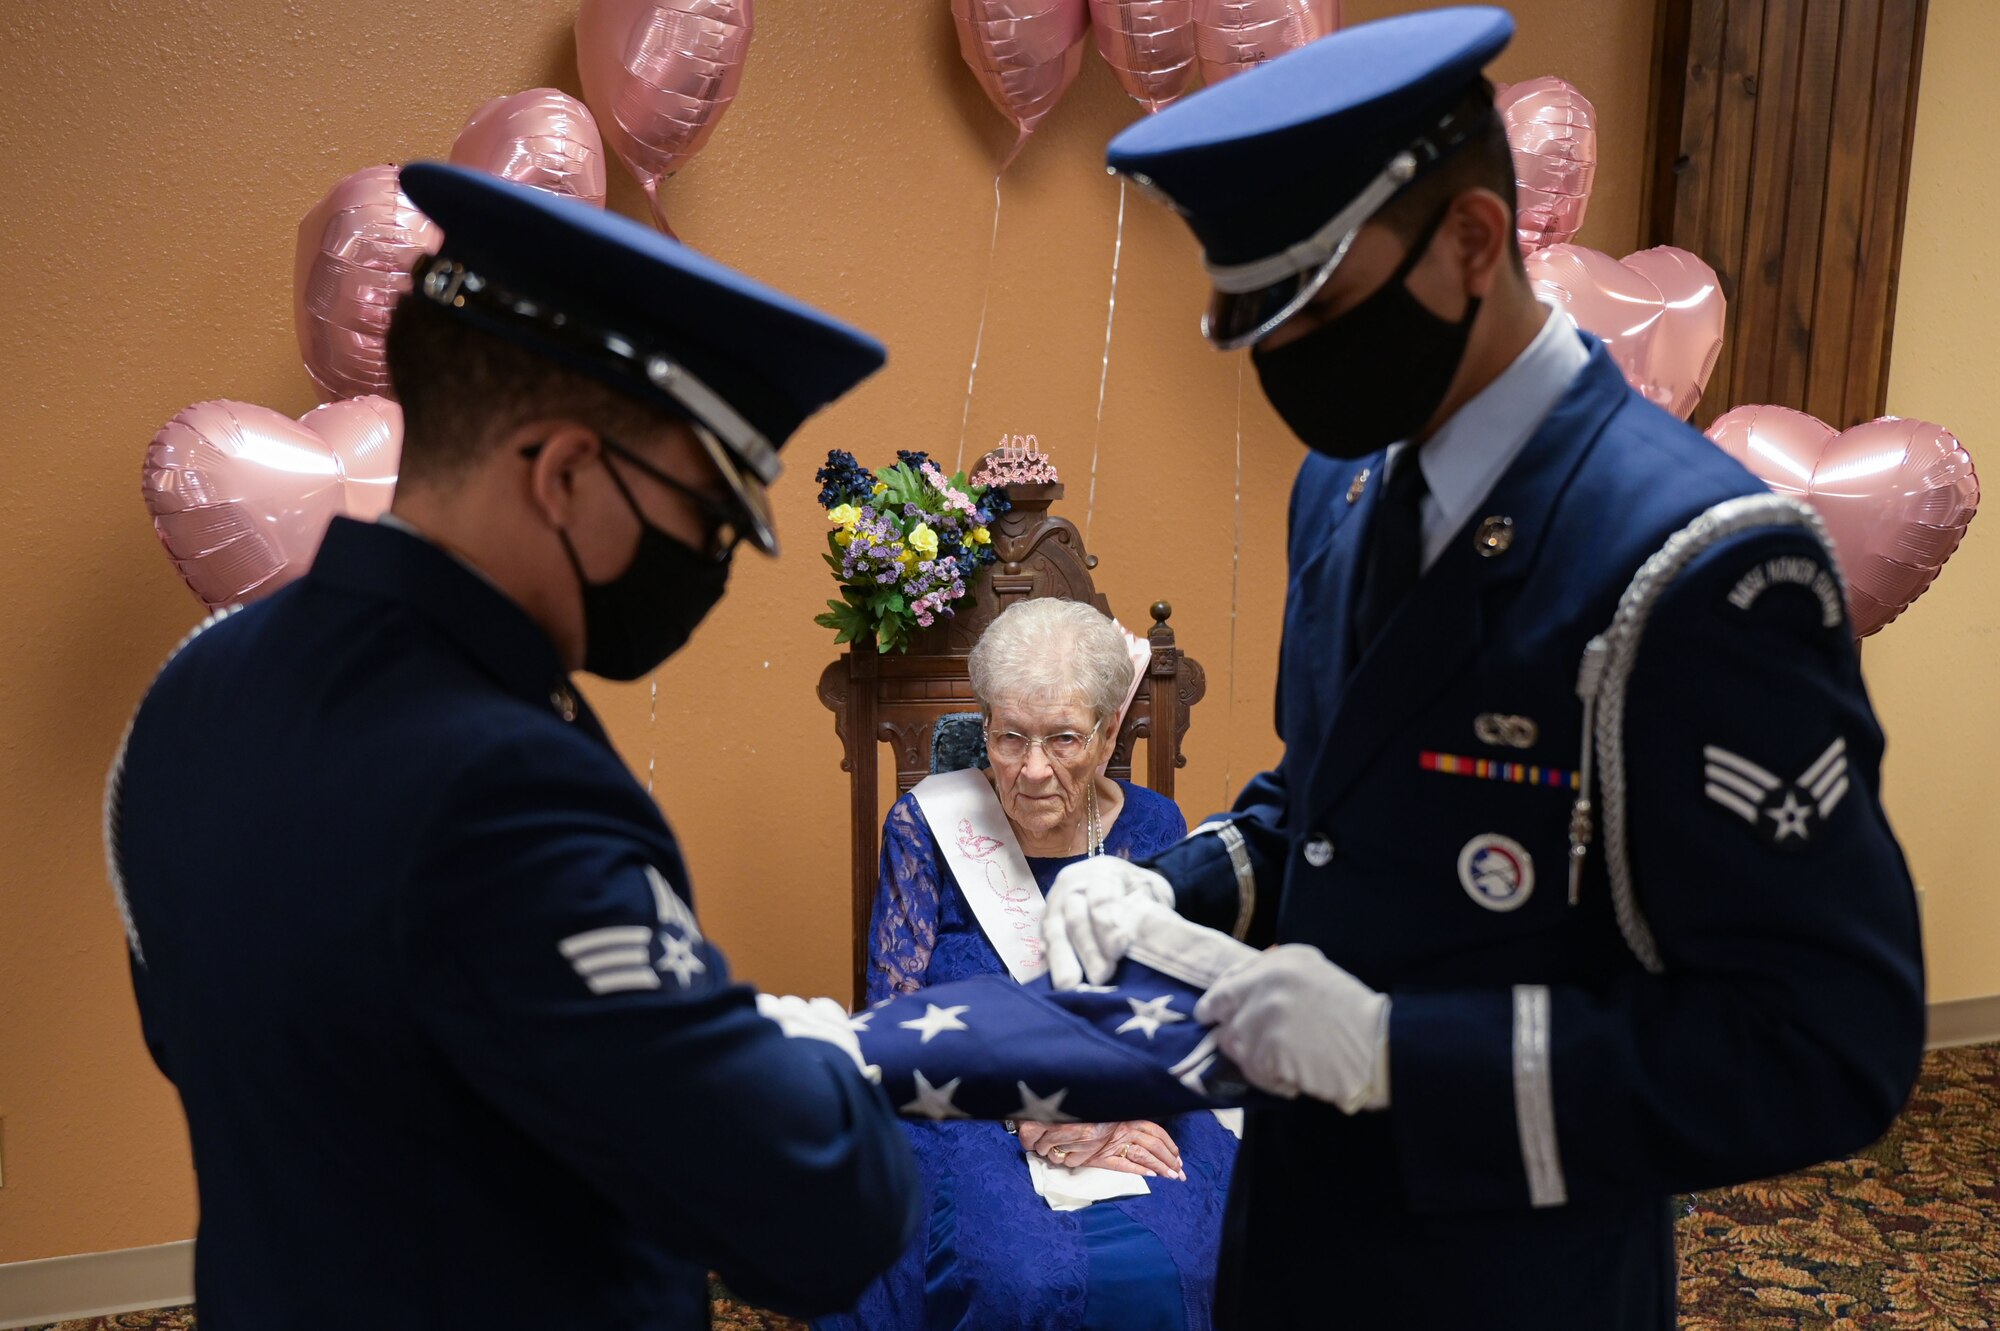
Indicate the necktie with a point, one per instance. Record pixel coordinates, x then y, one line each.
1395 551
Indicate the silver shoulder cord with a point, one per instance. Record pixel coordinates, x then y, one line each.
114 786
1606 671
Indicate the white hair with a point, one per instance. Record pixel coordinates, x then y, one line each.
1052 649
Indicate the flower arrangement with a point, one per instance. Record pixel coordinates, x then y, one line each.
906 542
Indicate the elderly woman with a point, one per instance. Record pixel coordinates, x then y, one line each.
1014 1242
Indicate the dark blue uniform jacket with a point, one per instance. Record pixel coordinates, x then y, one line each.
418 954
1548 1092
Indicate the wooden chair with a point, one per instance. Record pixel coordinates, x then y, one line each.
898 699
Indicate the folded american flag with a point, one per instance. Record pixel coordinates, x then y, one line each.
990 1048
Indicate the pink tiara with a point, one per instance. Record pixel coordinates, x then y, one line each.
1016 461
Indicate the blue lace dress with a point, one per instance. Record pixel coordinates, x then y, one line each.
994 1257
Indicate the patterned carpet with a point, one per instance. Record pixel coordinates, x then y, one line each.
1905 1235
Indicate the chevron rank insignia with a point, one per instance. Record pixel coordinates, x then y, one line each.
1787 814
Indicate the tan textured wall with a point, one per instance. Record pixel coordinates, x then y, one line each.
162 156
1932 671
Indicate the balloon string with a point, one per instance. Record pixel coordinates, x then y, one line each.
652 715
652 188
1235 568
1104 370
992 246
1020 142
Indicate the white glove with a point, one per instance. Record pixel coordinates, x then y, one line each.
817 1019
1295 1023
1077 920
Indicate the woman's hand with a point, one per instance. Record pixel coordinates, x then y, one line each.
1131 1147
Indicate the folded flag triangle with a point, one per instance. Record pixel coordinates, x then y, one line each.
989 1048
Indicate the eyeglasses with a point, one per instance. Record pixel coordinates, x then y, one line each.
725 529
1065 746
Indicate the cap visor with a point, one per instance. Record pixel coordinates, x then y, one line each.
753 500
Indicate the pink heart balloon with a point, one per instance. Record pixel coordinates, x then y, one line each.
240 496
1149 45
1025 54
1234 35
1896 496
355 250
365 436
1553 130
659 74
541 137
1659 313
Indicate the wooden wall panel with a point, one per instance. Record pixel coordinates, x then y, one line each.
1781 156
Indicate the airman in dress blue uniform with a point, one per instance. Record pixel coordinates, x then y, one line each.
418 953
1581 888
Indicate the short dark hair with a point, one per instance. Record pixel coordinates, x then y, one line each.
1485 160
463 389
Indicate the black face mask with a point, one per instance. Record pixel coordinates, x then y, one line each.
1372 376
645 614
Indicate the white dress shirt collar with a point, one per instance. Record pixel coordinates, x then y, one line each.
1465 459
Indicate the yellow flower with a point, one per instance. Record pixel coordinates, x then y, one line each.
924 541
906 559
843 538
980 536
845 515
880 486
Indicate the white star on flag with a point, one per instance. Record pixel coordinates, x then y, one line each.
859 1021
1149 1017
680 959
935 1101
934 1020
1041 1109
1195 1066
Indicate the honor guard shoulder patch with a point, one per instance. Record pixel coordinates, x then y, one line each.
1785 814
1791 571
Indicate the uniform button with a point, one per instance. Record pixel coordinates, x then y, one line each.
565 704
1319 852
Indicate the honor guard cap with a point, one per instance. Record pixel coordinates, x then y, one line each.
1278 168
743 364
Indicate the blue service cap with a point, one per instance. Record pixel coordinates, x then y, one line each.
617 300
1276 169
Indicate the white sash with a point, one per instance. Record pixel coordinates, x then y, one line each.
978 844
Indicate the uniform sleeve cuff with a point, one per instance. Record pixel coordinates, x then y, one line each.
1474 1111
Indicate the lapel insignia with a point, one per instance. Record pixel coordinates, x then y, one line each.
1497 872
1507 732
1783 812
1495 534
1359 484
